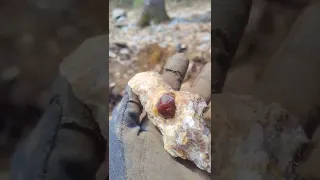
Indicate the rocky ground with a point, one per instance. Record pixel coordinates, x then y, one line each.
133 50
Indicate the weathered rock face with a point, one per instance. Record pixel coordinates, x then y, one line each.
178 115
86 70
252 140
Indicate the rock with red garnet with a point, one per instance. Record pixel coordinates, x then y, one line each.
166 106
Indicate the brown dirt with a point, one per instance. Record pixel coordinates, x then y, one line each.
133 50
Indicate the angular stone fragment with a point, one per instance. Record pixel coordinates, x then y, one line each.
185 134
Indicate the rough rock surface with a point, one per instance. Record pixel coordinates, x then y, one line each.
252 140
185 135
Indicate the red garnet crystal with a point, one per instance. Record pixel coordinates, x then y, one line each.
166 105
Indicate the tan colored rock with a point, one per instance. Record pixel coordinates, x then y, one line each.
253 140
185 134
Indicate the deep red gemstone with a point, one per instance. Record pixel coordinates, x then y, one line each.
166 105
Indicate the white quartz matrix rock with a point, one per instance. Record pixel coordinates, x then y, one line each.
185 135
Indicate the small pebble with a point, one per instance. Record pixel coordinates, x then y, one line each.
112 55
124 51
117 13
